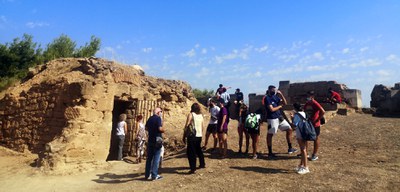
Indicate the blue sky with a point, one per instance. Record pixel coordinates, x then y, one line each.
246 44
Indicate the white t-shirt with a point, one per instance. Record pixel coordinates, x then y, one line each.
214 113
198 124
121 128
226 97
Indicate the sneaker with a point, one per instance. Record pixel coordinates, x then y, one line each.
298 168
292 150
255 156
314 158
303 170
159 177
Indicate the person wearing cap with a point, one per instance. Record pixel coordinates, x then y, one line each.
155 129
273 102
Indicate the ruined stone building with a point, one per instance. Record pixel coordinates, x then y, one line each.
386 100
297 92
67 110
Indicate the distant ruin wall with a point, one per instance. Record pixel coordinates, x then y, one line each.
386 100
297 92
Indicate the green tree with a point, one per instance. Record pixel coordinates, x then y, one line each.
89 49
17 57
61 47
203 93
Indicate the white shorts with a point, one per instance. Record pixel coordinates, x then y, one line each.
274 125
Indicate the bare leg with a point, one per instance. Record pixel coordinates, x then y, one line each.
215 136
206 142
225 142
316 146
221 142
269 142
303 144
240 132
289 135
247 141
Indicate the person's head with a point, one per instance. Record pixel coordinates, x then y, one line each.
220 103
139 118
157 111
310 95
223 90
122 117
237 90
211 103
195 108
297 107
271 90
220 85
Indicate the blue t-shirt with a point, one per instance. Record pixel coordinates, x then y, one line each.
239 96
153 125
273 100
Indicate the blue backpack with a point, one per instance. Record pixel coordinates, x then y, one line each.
306 128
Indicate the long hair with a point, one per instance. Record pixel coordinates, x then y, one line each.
195 108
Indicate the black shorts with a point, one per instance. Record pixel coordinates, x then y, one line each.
317 130
253 131
212 128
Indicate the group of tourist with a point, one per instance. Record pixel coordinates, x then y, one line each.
248 126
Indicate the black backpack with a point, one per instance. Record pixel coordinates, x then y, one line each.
306 128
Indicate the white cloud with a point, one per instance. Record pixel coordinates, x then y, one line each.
36 24
366 63
195 64
346 50
147 49
351 40
119 47
190 53
363 49
328 76
3 21
197 46
235 54
258 74
393 59
204 51
203 72
262 49
318 56
288 58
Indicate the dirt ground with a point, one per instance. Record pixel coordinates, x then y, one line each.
358 153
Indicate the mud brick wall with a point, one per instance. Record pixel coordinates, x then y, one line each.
33 118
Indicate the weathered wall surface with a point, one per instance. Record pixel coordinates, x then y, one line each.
386 100
64 112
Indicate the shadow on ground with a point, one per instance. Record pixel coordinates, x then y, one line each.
111 178
260 169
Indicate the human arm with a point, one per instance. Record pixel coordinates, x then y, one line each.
273 109
280 95
126 128
188 120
